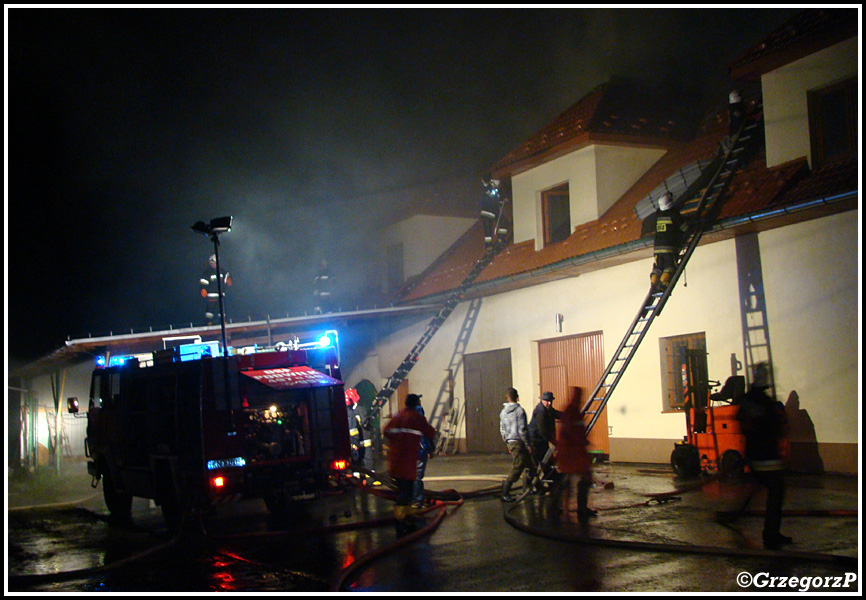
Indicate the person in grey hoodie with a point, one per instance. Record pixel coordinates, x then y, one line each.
512 426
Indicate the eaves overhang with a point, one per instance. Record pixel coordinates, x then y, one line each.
640 249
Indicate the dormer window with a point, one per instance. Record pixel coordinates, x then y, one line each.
556 212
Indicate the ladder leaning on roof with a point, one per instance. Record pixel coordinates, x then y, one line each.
706 210
498 242
702 200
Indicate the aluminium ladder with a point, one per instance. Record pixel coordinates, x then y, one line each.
706 209
402 371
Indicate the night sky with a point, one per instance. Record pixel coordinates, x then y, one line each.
126 126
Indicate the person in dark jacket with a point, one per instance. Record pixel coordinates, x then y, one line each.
667 241
542 431
763 422
512 427
405 432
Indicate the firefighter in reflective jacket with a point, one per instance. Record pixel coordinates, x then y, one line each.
666 243
405 432
210 290
361 444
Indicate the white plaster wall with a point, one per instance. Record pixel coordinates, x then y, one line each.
786 114
597 177
619 168
77 385
576 168
812 304
424 239
811 275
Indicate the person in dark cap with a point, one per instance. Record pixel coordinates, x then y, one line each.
542 431
405 432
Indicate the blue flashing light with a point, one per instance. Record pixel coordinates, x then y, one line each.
198 351
100 361
329 338
117 361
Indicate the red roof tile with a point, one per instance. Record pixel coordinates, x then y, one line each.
754 188
807 32
613 109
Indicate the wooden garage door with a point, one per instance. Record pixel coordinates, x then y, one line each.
575 361
487 374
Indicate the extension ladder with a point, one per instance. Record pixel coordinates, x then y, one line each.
402 371
705 208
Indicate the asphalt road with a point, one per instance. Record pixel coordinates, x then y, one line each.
475 543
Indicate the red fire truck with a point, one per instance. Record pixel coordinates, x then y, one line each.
189 430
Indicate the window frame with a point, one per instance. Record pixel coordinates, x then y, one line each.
673 396
817 101
561 229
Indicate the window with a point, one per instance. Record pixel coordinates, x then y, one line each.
833 122
683 370
556 213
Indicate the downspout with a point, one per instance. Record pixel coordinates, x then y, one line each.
640 244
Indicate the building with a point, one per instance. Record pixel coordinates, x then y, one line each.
776 279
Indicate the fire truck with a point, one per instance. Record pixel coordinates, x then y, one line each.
189 428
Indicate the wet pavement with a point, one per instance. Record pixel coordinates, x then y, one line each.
652 534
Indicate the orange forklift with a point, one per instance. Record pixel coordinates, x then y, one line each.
713 440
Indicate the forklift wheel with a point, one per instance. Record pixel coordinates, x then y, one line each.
686 461
732 464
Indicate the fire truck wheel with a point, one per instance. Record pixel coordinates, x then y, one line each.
686 461
118 502
732 464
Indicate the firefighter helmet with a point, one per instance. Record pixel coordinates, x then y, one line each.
352 397
666 202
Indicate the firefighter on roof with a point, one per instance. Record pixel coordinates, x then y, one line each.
322 289
210 290
491 207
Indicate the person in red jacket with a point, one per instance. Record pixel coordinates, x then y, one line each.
572 458
405 432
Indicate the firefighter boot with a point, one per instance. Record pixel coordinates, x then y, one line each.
665 279
400 521
506 491
583 511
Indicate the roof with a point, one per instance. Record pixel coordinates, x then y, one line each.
263 333
757 198
807 32
618 110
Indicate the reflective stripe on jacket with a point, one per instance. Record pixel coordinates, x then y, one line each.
404 433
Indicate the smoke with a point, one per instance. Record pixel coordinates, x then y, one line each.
310 127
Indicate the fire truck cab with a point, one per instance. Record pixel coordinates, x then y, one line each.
189 430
